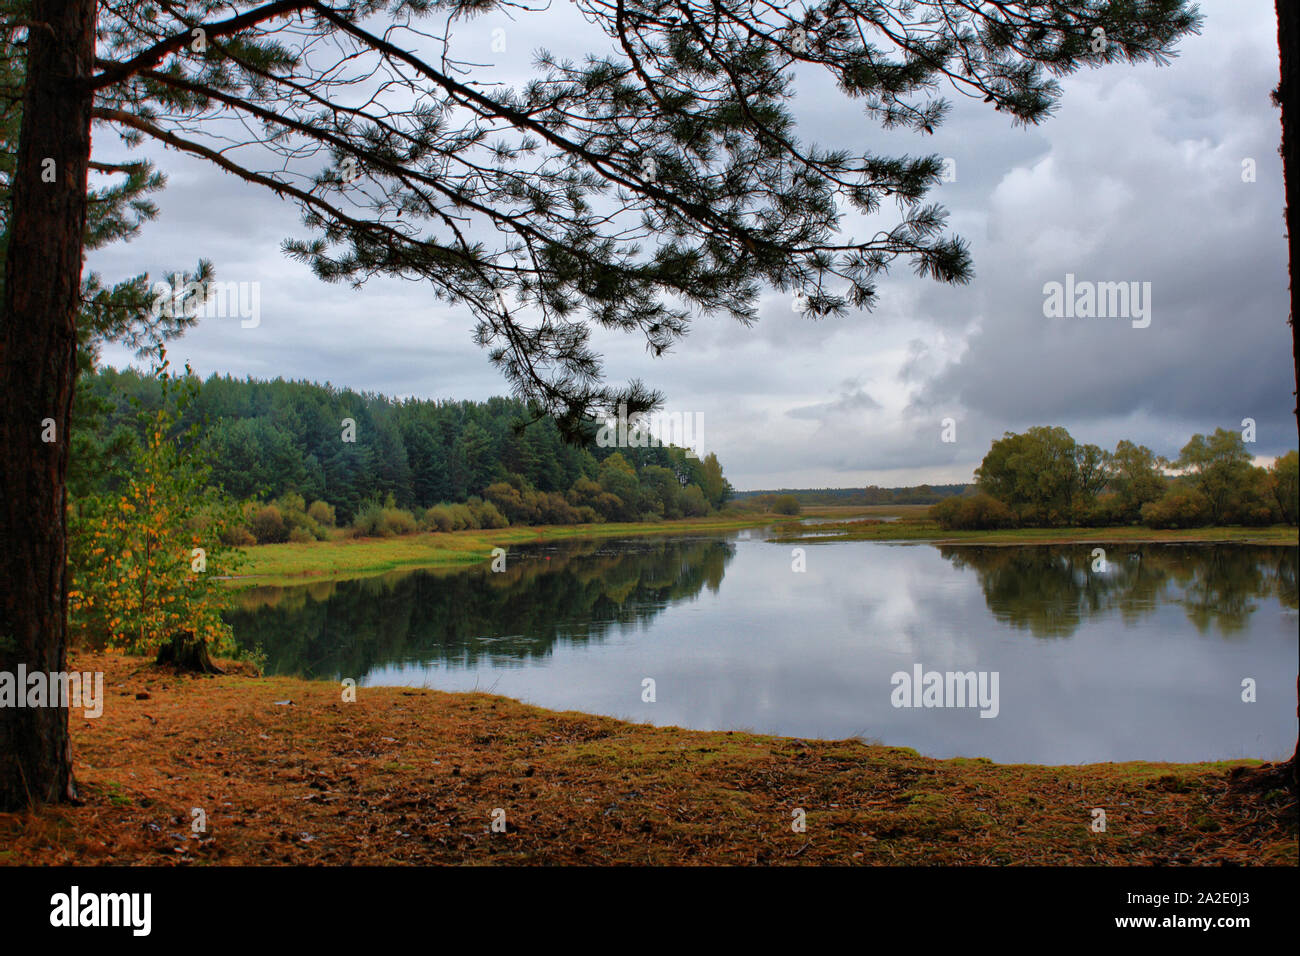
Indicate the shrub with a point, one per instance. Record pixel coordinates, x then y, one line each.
946 512
368 519
376 520
1041 515
694 504
462 518
1259 513
1177 508
519 507
552 508
786 505
985 511
237 536
297 519
486 515
1106 510
291 502
608 506
972 512
267 525
322 514
586 493
396 521
301 536
437 518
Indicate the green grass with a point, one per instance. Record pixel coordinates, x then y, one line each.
344 557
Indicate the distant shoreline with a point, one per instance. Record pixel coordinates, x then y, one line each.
912 526
346 557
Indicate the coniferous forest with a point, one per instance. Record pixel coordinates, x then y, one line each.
360 453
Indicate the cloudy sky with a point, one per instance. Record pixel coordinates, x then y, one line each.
1137 178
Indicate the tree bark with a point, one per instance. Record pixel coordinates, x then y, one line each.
1287 96
37 369
185 652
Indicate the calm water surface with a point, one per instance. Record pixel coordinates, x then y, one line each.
1141 659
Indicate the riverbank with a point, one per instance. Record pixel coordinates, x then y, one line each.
286 773
347 557
911 527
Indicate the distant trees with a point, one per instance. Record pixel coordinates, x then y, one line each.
782 504
1180 507
280 444
1044 475
870 495
618 477
1219 485
1044 478
1220 468
1286 486
1137 477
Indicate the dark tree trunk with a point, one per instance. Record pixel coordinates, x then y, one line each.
37 365
1288 97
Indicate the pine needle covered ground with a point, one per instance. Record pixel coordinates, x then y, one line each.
414 777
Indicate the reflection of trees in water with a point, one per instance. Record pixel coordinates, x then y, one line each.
1050 589
573 592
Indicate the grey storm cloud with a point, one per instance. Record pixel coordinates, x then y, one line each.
1137 177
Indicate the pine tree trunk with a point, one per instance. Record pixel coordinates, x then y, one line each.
1288 97
37 366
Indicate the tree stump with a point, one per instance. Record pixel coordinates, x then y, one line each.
185 652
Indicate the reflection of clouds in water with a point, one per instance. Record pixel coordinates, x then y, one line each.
1143 662
897 603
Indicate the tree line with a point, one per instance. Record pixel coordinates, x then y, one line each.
1044 478
307 456
870 495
